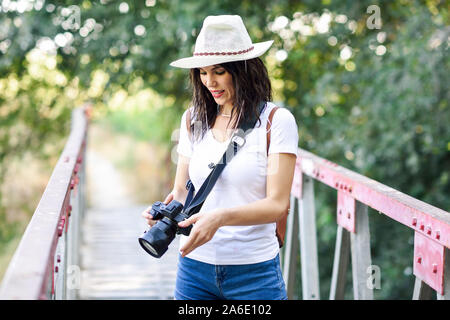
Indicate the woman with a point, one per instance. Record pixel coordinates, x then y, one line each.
232 251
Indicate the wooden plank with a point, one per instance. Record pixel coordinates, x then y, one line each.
340 264
291 249
308 242
360 252
114 266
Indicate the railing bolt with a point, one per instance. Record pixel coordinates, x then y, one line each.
348 215
414 222
56 268
419 260
61 226
422 227
434 268
438 235
429 230
58 258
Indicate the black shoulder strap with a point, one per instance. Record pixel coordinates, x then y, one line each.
192 204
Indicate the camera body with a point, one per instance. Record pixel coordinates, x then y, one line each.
173 212
156 240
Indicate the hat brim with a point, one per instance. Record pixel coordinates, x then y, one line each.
203 61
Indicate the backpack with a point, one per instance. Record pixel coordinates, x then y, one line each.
280 230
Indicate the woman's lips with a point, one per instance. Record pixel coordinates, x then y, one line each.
217 94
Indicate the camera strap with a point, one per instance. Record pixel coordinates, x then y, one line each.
193 204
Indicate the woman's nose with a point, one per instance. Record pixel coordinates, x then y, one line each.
210 81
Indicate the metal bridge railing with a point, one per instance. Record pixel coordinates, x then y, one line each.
355 193
46 264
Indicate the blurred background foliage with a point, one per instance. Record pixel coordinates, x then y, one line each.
374 100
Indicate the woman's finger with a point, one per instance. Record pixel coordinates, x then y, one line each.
189 221
190 244
168 198
147 216
146 212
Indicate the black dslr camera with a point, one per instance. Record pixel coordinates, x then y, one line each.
156 240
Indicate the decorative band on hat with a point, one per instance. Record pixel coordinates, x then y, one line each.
222 53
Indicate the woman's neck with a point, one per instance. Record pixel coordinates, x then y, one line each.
225 110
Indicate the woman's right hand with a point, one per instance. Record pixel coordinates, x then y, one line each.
146 214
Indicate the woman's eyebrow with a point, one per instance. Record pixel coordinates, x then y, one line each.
214 68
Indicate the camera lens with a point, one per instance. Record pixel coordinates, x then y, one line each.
156 241
149 248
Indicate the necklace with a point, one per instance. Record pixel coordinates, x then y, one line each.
225 115
221 114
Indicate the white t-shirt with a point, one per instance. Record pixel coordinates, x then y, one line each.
242 181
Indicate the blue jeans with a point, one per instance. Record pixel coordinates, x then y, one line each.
203 281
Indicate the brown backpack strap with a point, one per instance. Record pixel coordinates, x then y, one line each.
269 126
280 230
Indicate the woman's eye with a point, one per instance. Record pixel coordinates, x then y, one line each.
217 72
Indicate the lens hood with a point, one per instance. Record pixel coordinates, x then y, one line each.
156 240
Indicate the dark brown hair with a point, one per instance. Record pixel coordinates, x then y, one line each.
251 84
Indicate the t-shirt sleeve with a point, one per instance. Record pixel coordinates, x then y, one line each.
284 135
184 144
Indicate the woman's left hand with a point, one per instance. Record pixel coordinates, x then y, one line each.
205 226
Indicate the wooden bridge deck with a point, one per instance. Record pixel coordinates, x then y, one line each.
114 266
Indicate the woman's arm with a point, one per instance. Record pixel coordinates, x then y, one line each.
280 170
181 177
178 192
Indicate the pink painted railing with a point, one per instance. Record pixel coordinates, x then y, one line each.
355 193
45 264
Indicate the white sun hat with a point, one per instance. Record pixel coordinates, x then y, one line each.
222 39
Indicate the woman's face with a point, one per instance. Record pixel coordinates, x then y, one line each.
219 82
